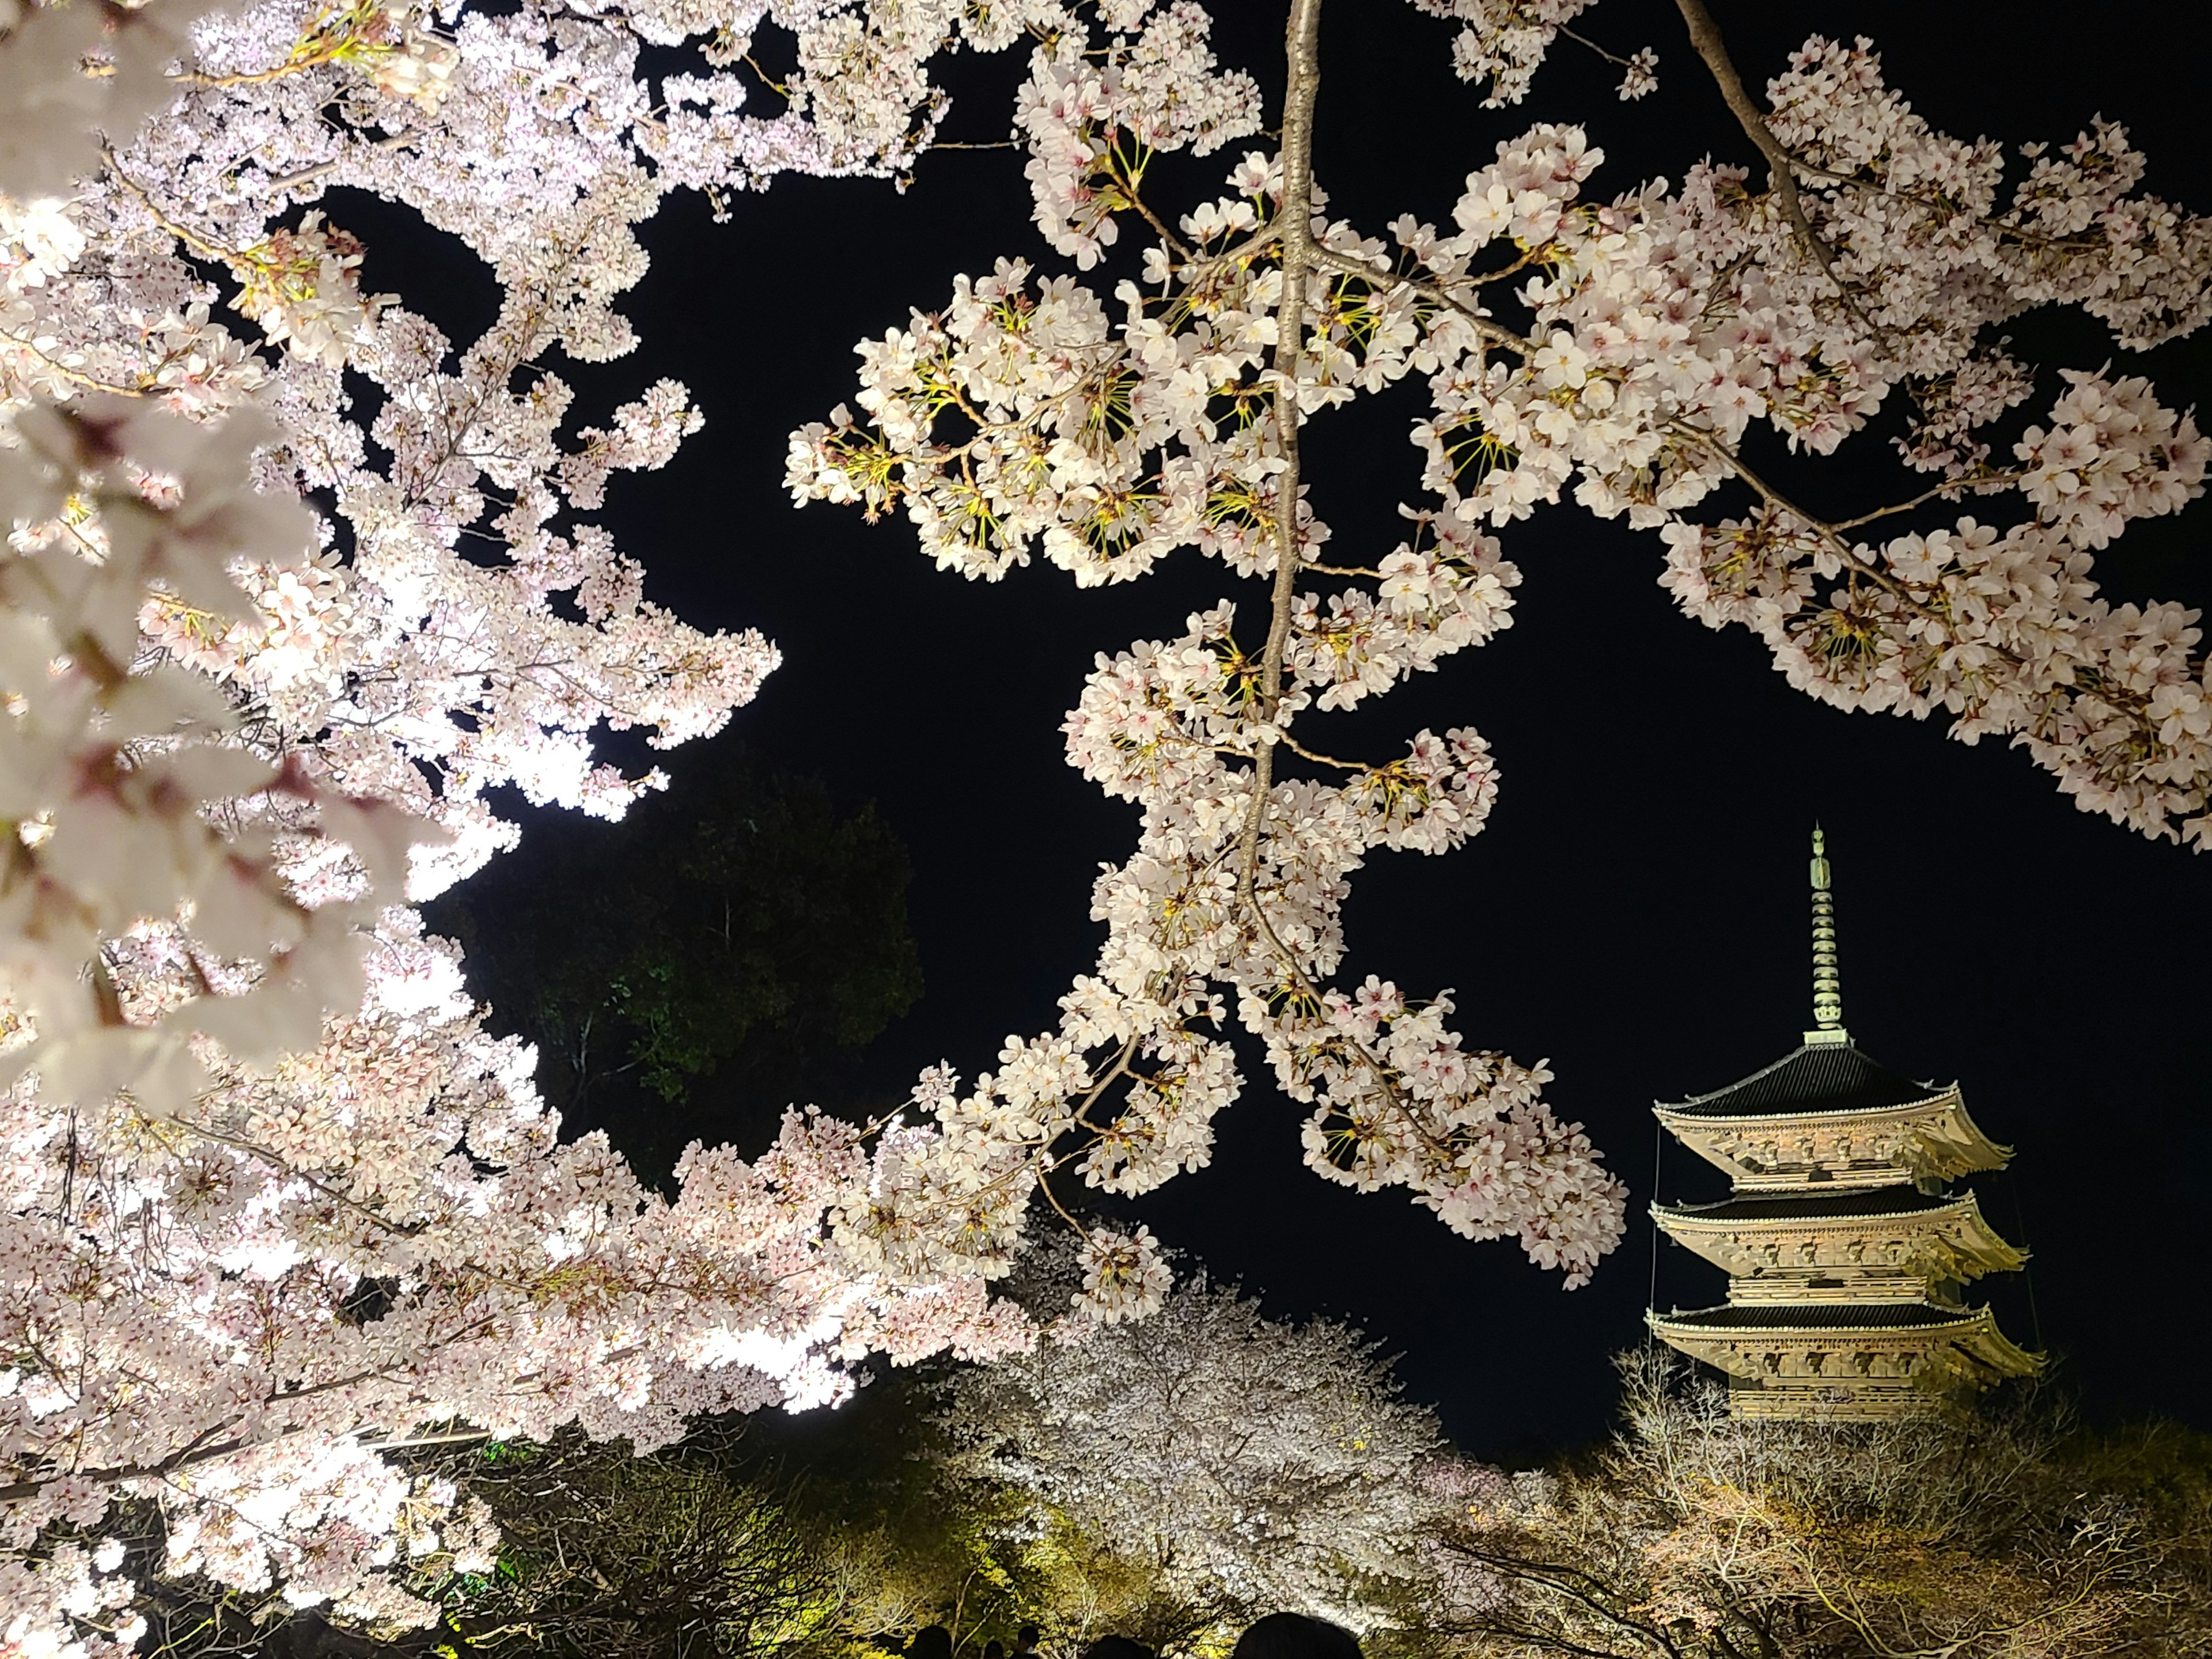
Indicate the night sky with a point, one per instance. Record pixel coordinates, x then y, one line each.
1636 910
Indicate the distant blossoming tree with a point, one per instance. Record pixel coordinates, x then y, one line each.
1231 1464
275 1201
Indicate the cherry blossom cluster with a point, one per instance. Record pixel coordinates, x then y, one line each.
231 1306
1094 117
1622 350
1503 42
260 1228
1022 416
263 1225
111 773
1663 328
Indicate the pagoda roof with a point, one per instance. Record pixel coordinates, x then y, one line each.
1828 1076
1725 1336
1844 1204
1898 1228
1822 1317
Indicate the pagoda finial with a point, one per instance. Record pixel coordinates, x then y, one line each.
1827 986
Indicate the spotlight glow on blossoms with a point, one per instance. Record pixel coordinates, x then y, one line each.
277 1204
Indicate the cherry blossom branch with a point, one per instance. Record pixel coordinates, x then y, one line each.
1199 271
456 1438
283 1166
1488 328
1129 176
1953 488
75 377
199 1451
1304 753
1044 1186
184 233
1934 200
1294 213
1706 37
1384 1076
2125 699
1829 533
1120 1068
308 175
195 1450
256 77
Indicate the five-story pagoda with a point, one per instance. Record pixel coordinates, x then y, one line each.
1846 1252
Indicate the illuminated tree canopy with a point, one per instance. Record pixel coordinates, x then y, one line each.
295 584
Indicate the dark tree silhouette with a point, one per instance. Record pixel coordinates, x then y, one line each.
729 946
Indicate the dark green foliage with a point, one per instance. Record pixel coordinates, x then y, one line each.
829 1535
688 972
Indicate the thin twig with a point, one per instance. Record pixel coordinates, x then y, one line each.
1584 40
1319 759
1990 481
1330 260
308 175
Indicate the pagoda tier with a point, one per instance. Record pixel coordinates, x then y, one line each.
1848 1363
1827 1114
1868 1244
1846 1256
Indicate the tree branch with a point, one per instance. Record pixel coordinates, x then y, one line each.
1705 36
1302 42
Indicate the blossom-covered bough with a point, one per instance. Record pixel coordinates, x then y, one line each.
275 1201
1646 335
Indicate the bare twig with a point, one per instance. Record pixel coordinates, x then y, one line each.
1952 487
1584 40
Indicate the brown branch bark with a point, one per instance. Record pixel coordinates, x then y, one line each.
1706 37
1302 44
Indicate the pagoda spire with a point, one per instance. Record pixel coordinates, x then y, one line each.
1827 986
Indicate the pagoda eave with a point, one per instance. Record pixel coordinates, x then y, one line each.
1950 1240
1929 1140
1948 1353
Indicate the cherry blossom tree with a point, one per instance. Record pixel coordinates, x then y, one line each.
1231 1464
284 599
276 1203
1619 348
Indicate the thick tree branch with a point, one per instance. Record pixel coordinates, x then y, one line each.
1705 36
1302 42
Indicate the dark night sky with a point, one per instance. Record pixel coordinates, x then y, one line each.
1635 911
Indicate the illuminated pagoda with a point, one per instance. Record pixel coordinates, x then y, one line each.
1846 1251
